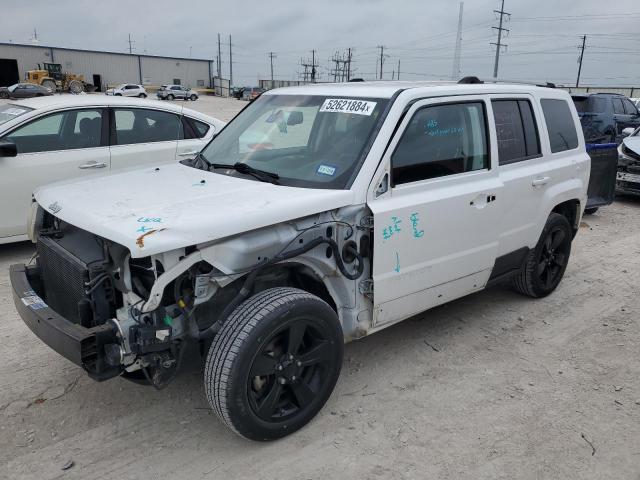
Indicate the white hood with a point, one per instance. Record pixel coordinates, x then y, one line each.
632 143
151 211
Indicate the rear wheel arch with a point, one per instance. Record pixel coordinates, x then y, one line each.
569 209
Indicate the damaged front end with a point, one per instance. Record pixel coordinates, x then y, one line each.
89 300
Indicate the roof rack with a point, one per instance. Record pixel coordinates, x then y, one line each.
476 80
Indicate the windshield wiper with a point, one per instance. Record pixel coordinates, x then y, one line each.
245 169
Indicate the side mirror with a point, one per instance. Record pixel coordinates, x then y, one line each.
8 149
628 132
295 118
383 186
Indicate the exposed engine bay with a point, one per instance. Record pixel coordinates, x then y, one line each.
146 311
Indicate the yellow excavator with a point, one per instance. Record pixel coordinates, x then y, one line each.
51 76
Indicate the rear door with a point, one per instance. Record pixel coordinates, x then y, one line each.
143 136
51 148
435 235
621 117
524 173
631 110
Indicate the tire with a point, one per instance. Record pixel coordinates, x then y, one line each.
260 328
4 95
117 94
142 95
50 84
545 265
590 211
193 98
170 97
76 87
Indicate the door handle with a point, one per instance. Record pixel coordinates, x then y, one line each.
93 165
540 181
186 154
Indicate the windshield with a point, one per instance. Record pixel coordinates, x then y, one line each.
308 141
9 112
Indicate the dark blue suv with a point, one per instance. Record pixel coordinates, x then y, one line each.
605 115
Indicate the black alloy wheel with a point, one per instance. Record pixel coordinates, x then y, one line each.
274 363
545 265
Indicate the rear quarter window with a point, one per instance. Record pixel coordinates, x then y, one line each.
560 125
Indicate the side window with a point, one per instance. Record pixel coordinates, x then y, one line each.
516 130
560 125
617 106
139 125
629 108
60 131
198 129
442 140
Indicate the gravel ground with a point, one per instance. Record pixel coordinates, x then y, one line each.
492 386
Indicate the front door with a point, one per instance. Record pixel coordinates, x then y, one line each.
56 147
435 229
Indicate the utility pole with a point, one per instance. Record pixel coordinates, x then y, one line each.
313 66
455 72
398 69
272 55
230 64
381 47
219 59
131 42
584 41
499 45
349 64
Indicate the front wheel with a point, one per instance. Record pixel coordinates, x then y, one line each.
170 97
193 97
590 211
546 263
274 363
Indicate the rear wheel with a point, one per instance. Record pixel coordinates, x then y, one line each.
142 95
75 87
546 263
274 363
193 97
4 95
50 84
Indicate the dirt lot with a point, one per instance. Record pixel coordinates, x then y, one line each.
493 386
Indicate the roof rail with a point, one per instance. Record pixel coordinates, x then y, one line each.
476 80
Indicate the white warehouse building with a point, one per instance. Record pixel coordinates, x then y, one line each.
104 68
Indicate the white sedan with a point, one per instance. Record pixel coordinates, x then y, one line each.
47 139
127 90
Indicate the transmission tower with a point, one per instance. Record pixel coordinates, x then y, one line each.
499 44
455 73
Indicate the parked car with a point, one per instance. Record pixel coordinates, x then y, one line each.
320 214
56 138
170 92
636 102
128 90
628 179
604 115
251 93
236 92
24 90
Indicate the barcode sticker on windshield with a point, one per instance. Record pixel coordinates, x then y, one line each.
345 105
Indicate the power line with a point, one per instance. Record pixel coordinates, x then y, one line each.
499 44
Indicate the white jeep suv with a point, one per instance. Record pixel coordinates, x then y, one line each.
319 215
